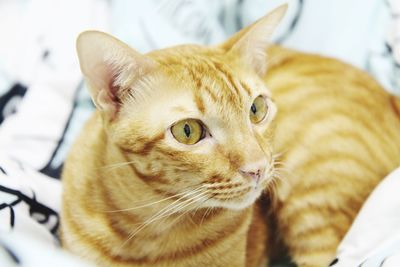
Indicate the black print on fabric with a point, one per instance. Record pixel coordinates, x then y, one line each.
394 80
53 169
41 213
11 253
2 170
293 24
334 262
10 100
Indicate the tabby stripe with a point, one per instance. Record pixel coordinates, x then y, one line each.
300 99
158 178
148 145
304 217
315 117
245 87
233 96
309 164
310 197
200 88
380 158
300 221
305 242
211 93
395 103
340 105
197 93
227 77
111 220
199 102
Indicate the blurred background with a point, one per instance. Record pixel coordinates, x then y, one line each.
43 100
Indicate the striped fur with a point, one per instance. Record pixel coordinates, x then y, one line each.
134 196
339 133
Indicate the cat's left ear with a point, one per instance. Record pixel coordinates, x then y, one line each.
251 43
111 69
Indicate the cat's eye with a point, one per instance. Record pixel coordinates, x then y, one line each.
258 110
188 132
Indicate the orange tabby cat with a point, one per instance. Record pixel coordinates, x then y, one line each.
168 169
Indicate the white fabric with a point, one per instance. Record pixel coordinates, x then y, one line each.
31 252
374 237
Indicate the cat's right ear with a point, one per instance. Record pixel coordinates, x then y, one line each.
250 44
110 68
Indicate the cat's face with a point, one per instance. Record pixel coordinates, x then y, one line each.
203 124
194 121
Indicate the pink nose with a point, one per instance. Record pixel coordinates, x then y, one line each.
253 173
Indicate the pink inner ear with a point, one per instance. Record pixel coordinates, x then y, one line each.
113 89
107 98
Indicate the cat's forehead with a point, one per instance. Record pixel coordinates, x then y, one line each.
212 72
205 83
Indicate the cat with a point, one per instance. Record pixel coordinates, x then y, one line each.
210 156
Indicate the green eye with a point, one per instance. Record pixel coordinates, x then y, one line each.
258 110
188 132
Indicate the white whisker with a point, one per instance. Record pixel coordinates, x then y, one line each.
167 211
150 204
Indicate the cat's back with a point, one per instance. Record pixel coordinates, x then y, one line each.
328 106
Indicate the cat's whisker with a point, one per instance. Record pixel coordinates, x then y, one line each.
280 153
208 209
165 212
283 170
198 206
277 178
280 164
152 203
272 191
156 198
206 213
117 165
181 205
271 186
199 201
171 205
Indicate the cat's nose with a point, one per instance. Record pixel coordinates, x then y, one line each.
254 171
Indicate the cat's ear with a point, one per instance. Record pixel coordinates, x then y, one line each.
110 68
251 43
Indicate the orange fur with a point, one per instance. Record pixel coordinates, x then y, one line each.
339 132
134 196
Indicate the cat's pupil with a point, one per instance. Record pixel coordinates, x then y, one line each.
186 129
253 109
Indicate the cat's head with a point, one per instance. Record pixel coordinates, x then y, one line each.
194 121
